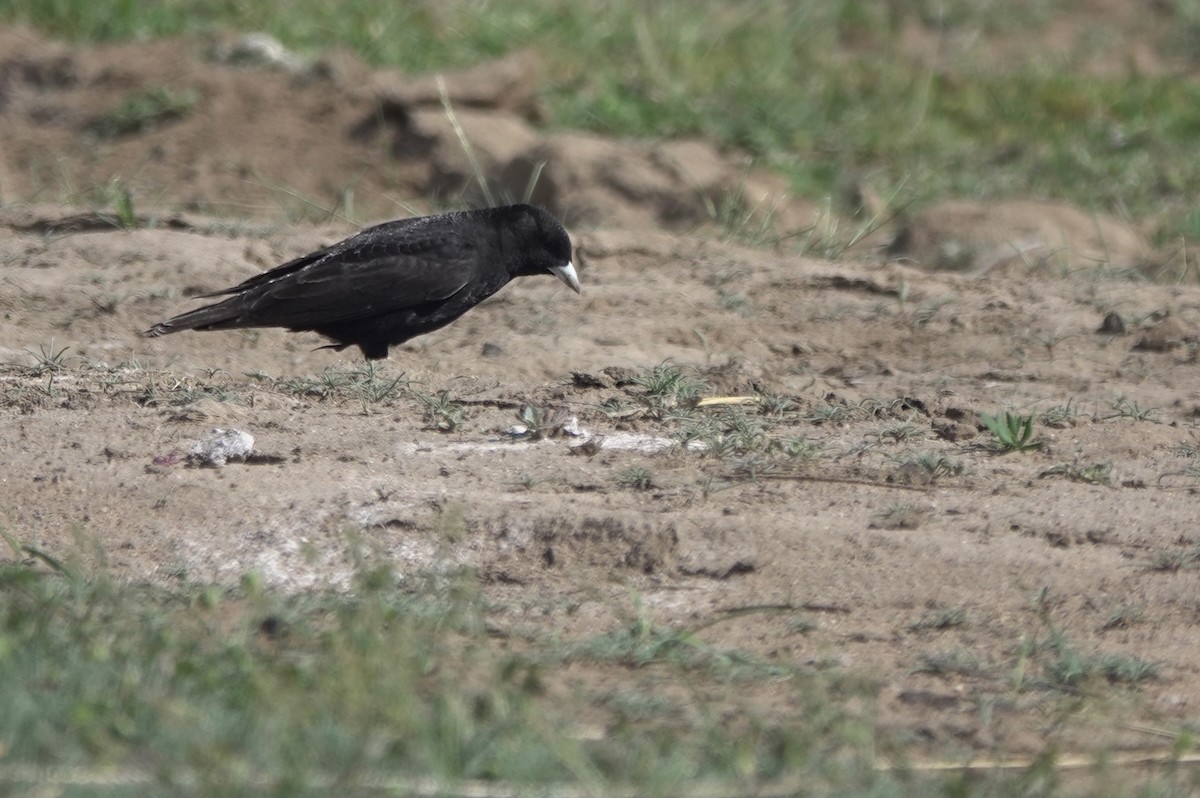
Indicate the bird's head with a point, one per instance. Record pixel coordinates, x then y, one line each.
542 245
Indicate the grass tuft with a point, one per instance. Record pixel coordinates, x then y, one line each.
667 387
144 111
940 619
636 477
442 411
1011 432
1094 473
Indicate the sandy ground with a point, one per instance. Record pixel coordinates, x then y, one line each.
947 587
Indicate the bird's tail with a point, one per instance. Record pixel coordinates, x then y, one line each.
225 315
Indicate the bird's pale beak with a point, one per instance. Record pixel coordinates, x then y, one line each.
567 275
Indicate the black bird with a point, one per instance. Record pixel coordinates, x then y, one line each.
394 281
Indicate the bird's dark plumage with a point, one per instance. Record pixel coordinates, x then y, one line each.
394 281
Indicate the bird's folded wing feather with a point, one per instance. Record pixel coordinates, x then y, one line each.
344 284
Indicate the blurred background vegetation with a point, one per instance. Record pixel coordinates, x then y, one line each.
1082 100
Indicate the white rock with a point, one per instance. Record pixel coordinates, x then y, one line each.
220 446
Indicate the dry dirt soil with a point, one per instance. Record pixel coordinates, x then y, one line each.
948 585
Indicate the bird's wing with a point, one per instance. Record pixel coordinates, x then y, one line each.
273 274
362 277
404 235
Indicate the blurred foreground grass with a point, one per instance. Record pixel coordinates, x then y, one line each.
384 689
827 92
408 688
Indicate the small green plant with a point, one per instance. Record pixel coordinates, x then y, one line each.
730 432
755 466
636 477
616 410
1061 416
47 361
1128 408
667 387
117 195
1065 667
957 661
826 237
525 482
144 111
1049 340
326 385
900 432
331 381
1175 560
125 213
1095 474
927 311
737 302
363 383
798 447
1122 617
742 221
642 642
1191 471
542 422
442 412
159 389
638 705
770 404
939 619
831 413
1189 449
1011 432
1072 669
802 624
371 387
933 464
902 515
